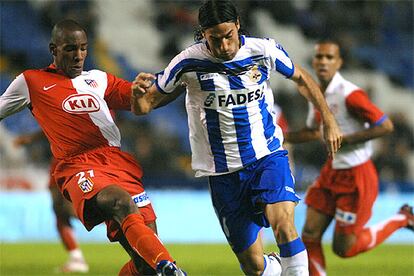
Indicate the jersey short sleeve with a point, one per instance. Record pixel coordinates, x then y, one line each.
171 77
280 59
118 93
15 98
358 104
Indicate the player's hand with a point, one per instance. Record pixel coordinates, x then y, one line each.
22 140
141 84
332 136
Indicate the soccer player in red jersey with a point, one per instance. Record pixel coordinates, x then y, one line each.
347 186
63 211
72 106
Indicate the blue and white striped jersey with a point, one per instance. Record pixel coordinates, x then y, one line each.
229 104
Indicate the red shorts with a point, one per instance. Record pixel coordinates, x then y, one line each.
346 194
81 177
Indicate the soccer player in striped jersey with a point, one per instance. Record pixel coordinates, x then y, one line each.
234 139
347 186
72 106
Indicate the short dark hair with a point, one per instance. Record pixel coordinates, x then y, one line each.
66 24
331 41
214 12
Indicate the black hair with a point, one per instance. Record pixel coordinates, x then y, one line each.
67 25
214 12
332 41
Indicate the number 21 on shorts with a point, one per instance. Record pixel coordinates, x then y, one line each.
85 182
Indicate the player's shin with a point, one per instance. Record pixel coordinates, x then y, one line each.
144 241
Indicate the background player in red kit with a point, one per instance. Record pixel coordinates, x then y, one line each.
63 211
348 184
72 107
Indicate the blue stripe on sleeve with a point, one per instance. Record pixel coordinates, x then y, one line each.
381 120
244 135
284 70
216 141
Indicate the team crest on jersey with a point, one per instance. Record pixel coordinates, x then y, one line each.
91 83
86 186
80 104
255 74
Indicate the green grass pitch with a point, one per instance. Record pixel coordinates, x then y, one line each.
196 259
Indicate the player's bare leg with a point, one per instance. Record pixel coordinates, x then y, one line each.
254 262
116 204
64 211
348 245
315 225
293 254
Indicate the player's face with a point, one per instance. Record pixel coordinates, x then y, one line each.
223 40
70 52
326 61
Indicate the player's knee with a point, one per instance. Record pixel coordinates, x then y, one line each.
342 249
284 230
311 233
115 203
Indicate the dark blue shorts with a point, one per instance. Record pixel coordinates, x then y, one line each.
238 198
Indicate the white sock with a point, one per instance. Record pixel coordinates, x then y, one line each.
296 265
76 254
272 266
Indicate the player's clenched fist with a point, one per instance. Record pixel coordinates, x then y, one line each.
142 82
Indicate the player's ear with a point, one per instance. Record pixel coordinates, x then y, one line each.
52 49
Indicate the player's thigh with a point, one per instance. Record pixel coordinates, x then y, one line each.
316 223
61 206
354 209
281 218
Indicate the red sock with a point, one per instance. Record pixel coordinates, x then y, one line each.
370 237
144 241
66 234
316 258
129 269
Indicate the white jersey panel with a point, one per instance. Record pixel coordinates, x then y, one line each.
15 98
229 104
94 83
350 155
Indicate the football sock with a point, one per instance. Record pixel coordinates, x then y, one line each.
271 266
129 269
144 241
316 257
372 236
66 234
294 258
76 254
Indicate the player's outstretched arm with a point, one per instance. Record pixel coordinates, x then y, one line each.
310 90
386 127
302 136
145 95
29 138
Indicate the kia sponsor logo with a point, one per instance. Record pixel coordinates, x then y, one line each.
80 104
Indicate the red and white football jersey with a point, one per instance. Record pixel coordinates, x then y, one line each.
353 112
73 113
